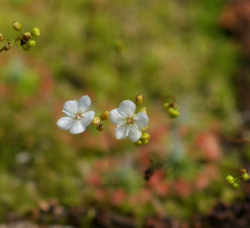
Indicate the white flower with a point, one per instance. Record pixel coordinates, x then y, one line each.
128 123
77 118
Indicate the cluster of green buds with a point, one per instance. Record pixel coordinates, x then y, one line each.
26 38
143 140
172 108
97 121
145 136
235 181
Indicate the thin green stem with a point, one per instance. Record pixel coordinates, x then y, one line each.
18 37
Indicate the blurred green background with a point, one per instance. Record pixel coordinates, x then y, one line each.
112 51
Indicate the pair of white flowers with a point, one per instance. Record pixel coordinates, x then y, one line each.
128 123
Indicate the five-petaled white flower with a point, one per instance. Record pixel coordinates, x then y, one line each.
77 118
128 123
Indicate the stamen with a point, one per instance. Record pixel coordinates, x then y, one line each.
136 126
121 123
68 113
127 131
131 128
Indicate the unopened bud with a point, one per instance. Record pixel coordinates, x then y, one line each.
31 43
139 99
8 45
173 113
96 121
105 115
26 36
236 185
17 26
35 32
166 105
145 136
1 37
144 109
243 170
230 179
26 47
245 176
100 127
144 142
138 143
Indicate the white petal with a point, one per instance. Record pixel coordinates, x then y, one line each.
128 108
141 120
116 117
121 132
134 133
65 123
84 103
87 118
70 108
77 127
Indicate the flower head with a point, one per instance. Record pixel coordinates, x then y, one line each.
77 118
128 123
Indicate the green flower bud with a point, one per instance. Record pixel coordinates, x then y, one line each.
26 47
173 113
35 32
144 109
105 115
166 105
144 142
139 99
17 26
145 136
236 185
1 37
100 127
245 176
31 43
138 143
230 179
243 171
96 121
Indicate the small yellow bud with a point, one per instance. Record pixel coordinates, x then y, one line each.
243 171
35 32
100 127
105 115
145 136
144 142
26 36
17 26
139 99
138 143
144 109
173 113
1 37
31 43
96 121
236 185
230 179
245 176
166 105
